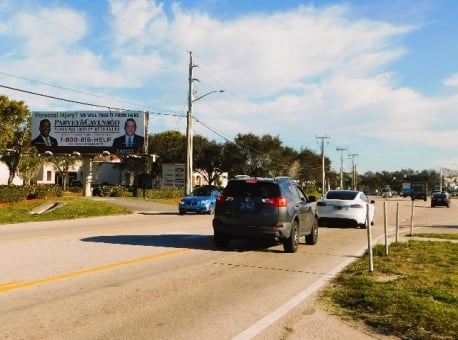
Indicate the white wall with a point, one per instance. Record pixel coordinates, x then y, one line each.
4 174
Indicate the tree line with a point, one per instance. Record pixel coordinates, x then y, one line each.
247 154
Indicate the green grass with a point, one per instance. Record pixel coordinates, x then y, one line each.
412 293
74 207
441 236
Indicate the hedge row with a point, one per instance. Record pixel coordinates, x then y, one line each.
12 194
123 191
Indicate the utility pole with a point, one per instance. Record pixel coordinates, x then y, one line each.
353 167
323 185
341 165
189 134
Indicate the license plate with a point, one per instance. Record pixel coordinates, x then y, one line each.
246 206
338 207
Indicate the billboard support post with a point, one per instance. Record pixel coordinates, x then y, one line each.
87 174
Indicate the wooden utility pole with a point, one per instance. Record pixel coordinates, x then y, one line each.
189 134
353 169
323 170
341 165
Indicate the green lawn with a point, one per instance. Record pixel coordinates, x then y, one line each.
74 207
412 293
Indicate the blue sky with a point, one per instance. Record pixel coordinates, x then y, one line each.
380 78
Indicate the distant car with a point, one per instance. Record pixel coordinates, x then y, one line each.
345 207
202 201
387 193
274 209
440 199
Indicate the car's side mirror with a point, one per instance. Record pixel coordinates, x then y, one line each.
372 202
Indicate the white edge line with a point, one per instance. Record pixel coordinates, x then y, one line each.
275 315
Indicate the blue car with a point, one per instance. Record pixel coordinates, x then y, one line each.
202 201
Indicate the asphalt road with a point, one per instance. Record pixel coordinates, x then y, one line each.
155 274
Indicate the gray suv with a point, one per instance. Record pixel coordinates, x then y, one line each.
265 208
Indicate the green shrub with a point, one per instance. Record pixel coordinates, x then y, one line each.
11 194
119 191
164 193
47 190
111 191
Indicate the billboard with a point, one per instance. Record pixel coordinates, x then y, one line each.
173 175
90 132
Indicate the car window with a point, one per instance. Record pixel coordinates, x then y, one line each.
300 194
251 189
202 192
440 195
341 195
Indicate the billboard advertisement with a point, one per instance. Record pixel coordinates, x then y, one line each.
90 132
173 175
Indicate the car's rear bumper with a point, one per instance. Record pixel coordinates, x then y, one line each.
252 232
443 204
338 221
357 218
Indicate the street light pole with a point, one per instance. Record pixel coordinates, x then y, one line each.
189 146
323 173
189 132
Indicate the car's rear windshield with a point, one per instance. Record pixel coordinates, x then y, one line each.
440 195
252 189
341 195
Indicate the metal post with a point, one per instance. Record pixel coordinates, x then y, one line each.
385 229
369 240
397 222
411 218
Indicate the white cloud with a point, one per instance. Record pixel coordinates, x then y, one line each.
295 73
452 80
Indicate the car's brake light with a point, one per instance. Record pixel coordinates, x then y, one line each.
278 201
358 206
223 199
251 181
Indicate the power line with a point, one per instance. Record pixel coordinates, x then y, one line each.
82 103
88 94
57 98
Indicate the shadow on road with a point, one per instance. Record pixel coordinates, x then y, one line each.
191 241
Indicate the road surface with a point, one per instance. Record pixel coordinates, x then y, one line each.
157 275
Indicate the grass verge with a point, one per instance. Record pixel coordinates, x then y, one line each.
74 207
412 293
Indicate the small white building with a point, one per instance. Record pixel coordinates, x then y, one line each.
107 172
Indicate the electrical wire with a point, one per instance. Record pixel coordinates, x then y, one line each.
84 103
211 73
